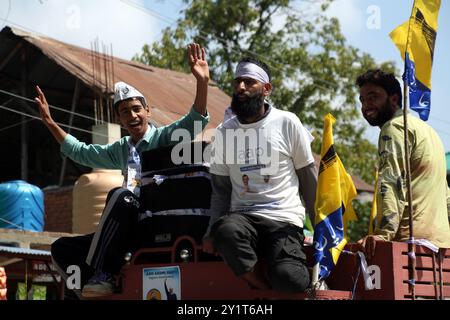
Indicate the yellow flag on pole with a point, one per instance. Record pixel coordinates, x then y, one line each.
416 40
335 192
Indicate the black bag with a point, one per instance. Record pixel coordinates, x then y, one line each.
161 158
176 196
169 186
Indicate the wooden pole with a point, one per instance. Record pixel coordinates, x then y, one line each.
23 126
441 257
411 244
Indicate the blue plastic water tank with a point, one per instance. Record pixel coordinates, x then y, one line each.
21 206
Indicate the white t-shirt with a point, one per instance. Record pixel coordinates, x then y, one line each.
261 158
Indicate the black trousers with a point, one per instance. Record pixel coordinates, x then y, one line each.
243 239
103 250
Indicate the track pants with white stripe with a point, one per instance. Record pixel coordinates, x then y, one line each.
103 250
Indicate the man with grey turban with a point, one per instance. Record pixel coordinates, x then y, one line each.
261 162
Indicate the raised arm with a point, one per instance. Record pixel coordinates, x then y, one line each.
46 117
92 155
200 69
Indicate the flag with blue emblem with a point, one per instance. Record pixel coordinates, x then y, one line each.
335 192
416 39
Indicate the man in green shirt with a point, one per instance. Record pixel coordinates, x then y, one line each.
381 99
100 255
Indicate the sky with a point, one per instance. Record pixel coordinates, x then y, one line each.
366 25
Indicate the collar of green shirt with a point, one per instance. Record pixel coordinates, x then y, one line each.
146 136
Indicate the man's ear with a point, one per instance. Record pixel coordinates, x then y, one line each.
149 112
394 100
267 89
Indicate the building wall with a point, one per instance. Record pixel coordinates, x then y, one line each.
58 209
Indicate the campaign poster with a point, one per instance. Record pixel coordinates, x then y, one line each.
161 283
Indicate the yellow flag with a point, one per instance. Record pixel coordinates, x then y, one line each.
416 40
335 186
373 211
335 192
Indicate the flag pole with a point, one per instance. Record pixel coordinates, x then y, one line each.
315 275
411 243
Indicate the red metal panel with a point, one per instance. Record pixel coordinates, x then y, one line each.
212 281
423 275
425 290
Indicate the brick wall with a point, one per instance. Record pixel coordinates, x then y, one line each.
58 209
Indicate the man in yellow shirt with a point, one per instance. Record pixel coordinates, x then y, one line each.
381 99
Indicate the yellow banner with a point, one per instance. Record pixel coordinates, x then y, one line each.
335 187
417 37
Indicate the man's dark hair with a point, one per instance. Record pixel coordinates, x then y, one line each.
386 80
116 105
259 63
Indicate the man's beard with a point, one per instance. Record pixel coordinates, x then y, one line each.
384 114
248 108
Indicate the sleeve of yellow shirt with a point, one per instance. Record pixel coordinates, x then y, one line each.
391 197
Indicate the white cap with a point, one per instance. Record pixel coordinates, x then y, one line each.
123 91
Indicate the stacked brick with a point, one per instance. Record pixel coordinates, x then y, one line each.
58 209
2 284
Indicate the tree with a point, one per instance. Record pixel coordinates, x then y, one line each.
360 228
313 68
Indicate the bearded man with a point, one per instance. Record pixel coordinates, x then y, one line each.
381 99
259 234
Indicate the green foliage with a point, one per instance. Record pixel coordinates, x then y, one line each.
36 292
359 229
168 53
313 68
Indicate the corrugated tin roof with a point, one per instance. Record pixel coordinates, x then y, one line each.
169 93
16 250
361 185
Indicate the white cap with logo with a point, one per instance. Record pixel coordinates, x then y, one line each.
123 91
